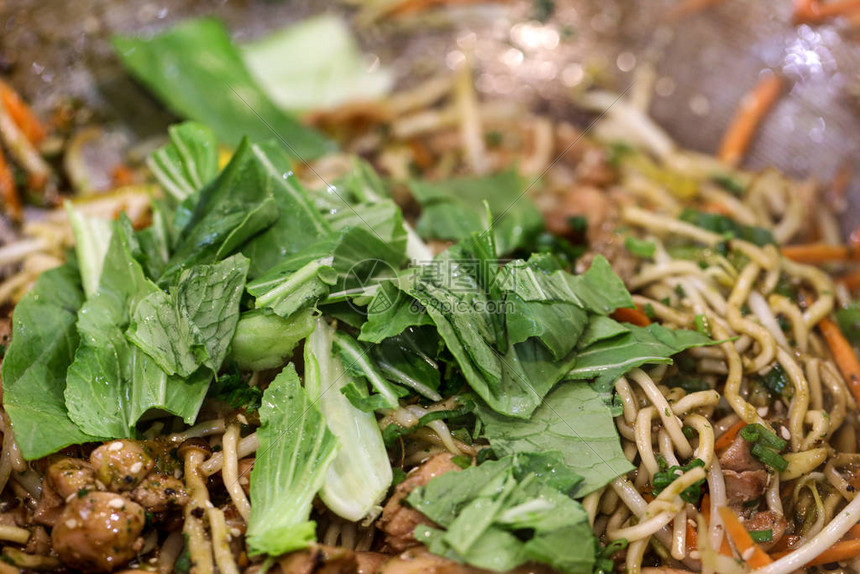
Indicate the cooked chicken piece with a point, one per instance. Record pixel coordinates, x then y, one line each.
320 559
121 464
39 542
744 486
398 521
767 520
99 532
70 476
420 561
738 456
158 492
370 562
746 478
49 507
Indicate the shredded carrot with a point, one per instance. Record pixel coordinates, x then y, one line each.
845 550
422 156
22 115
854 533
815 11
706 507
689 7
416 6
8 192
630 315
122 175
757 558
751 112
728 437
716 207
692 536
818 253
843 354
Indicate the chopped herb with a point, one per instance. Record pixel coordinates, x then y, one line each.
689 432
759 434
761 535
232 388
603 563
462 461
493 139
542 10
484 454
648 309
729 183
769 457
399 476
667 476
690 383
703 326
578 223
617 152
728 227
183 563
775 380
640 247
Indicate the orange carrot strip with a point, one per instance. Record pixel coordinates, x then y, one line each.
742 539
854 533
692 537
728 437
629 315
845 550
815 11
121 175
8 192
416 6
751 112
817 253
689 7
22 115
843 354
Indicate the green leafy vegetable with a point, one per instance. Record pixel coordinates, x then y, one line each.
286 291
227 212
573 420
44 339
359 364
728 227
360 474
611 358
454 209
296 450
264 340
111 383
392 432
194 325
501 514
849 321
775 380
188 162
320 74
213 86
299 224
640 247
92 238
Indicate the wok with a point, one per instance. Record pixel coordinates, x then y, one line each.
704 62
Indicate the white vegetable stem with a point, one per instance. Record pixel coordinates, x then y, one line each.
360 475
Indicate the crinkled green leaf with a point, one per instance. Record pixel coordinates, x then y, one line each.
188 162
296 450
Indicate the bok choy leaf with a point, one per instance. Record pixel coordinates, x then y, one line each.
296 449
361 474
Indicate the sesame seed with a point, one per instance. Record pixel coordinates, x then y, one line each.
136 467
115 446
241 418
762 412
71 497
116 503
748 553
235 532
71 523
209 504
694 554
783 432
100 485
